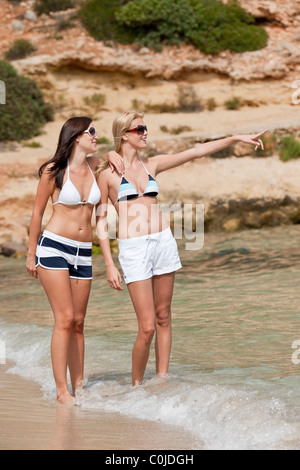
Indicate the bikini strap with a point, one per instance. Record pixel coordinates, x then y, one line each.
90 169
143 166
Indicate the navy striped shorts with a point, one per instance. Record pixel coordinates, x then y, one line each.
60 253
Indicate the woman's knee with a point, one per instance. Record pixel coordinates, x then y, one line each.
78 324
65 321
163 316
147 333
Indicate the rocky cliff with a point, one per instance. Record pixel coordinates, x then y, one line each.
72 68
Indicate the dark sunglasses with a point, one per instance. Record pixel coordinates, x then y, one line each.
138 129
91 131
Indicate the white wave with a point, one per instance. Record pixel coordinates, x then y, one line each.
219 416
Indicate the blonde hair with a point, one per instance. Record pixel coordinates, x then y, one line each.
120 125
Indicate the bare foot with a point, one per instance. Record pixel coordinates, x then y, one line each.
65 399
162 375
137 382
80 392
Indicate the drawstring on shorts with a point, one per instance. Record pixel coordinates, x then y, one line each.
76 258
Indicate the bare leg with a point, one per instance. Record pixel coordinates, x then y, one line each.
163 291
141 293
80 294
57 286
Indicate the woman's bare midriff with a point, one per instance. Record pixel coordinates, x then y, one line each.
140 216
72 222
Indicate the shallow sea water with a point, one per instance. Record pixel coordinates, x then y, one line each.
234 378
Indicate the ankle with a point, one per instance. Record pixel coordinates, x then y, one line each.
65 398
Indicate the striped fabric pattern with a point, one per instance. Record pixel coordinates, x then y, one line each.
60 253
152 188
126 191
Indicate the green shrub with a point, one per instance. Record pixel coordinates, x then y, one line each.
222 27
33 144
155 108
156 22
103 140
19 49
161 108
179 129
211 104
98 17
188 101
45 6
25 111
97 100
64 24
175 130
270 146
209 25
233 103
290 148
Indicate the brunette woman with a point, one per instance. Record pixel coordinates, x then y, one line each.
61 257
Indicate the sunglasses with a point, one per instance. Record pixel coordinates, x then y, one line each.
138 129
91 131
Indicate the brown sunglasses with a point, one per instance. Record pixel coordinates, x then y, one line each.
140 129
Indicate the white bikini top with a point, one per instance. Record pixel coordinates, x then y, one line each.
70 196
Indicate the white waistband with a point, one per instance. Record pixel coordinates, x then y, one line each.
165 234
67 241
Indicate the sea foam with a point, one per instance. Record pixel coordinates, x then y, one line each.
219 416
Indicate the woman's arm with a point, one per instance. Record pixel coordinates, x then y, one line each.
116 162
44 191
113 276
165 162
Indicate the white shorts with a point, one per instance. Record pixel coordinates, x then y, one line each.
149 255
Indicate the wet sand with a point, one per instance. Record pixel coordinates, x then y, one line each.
31 422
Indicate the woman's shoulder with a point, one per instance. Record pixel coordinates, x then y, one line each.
150 163
93 162
46 171
145 160
104 174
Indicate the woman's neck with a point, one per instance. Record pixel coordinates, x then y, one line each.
129 155
78 158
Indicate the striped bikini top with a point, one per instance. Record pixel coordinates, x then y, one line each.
128 191
69 195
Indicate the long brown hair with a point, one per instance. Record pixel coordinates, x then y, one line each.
71 129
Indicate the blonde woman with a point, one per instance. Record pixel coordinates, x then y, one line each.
147 250
61 255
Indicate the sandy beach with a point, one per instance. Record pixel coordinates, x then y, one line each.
30 422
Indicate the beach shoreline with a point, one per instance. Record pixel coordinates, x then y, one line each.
30 421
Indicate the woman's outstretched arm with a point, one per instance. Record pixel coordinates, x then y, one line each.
165 162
